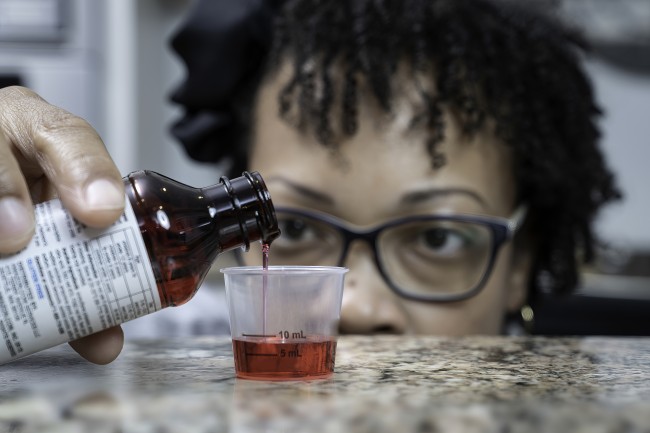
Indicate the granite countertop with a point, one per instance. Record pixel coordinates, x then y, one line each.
381 383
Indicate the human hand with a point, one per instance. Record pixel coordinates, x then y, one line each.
46 152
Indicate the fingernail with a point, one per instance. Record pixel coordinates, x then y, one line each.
16 220
103 194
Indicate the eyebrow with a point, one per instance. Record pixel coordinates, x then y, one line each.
303 190
423 195
408 199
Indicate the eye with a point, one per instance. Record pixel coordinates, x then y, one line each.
442 241
293 228
304 240
447 239
297 233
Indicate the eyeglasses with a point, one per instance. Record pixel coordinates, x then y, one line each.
429 258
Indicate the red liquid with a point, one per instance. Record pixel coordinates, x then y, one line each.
265 255
265 265
278 359
181 252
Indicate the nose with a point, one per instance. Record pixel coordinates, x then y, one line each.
369 306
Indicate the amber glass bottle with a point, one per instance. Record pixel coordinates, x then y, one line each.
72 281
186 228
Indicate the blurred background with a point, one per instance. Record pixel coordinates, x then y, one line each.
109 62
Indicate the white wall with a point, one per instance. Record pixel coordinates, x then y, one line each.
625 97
141 71
66 71
112 66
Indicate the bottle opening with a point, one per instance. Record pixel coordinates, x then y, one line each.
269 223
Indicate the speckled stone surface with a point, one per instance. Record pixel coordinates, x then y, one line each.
382 383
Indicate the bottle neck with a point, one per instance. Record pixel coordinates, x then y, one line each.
242 210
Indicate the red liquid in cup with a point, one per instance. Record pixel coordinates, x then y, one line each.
274 358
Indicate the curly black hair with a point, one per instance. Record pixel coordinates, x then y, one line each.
494 60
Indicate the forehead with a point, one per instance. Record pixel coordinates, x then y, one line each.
386 159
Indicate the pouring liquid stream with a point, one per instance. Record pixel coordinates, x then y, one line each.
266 246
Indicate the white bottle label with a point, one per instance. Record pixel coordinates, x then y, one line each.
72 281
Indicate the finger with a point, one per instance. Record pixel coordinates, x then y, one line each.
16 213
68 151
102 347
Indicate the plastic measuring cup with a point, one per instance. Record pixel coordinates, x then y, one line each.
284 320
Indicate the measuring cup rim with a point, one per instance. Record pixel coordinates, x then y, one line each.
293 270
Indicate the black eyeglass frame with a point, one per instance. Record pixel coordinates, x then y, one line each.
502 230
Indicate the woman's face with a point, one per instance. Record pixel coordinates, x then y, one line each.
382 173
